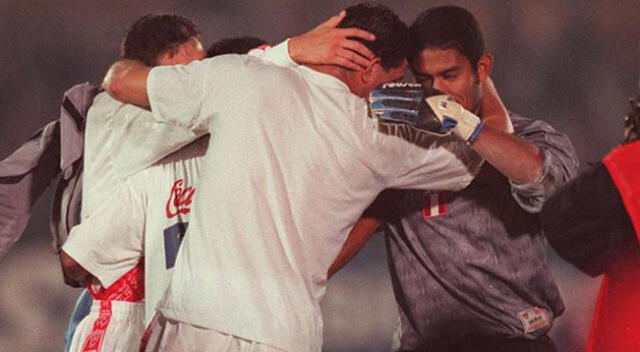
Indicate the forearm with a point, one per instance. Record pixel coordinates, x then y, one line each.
126 81
515 158
357 238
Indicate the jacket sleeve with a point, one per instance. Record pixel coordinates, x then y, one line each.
24 177
586 223
560 164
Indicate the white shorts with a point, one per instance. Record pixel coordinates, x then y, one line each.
118 329
170 336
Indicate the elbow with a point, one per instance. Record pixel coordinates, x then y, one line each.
113 83
116 80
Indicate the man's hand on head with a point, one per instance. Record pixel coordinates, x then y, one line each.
328 45
126 81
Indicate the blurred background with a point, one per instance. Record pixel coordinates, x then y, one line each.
573 63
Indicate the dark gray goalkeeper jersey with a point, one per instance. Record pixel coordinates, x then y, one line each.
472 263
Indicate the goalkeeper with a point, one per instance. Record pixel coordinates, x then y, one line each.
468 268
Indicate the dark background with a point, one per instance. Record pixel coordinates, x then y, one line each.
571 63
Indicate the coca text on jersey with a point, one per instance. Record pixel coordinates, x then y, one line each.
180 198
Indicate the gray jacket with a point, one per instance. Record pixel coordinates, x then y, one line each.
55 151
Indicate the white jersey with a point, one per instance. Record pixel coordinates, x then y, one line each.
293 161
156 204
120 140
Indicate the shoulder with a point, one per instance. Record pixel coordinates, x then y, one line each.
538 131
239 64
524 125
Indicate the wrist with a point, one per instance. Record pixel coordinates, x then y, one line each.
468 127
475 133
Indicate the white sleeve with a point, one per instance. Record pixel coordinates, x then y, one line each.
277 55
179 94
445 164
111 241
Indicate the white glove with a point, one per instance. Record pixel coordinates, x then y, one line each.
467 124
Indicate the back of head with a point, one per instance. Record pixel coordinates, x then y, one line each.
448 27
153 35
392 40
236 45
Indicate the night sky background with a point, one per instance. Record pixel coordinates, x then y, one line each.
573 64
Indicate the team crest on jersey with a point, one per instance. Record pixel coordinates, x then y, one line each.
180 199
534 319
433 205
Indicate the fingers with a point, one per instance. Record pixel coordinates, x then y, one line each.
358 48
356 61
358 33
347 63
334 21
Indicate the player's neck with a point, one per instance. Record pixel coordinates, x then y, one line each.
338 72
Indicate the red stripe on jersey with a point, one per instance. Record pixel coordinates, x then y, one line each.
93 343
129 288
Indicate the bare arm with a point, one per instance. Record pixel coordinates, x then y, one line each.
515 158
74 274
357 238
126 81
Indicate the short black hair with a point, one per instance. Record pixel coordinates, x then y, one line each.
448 27
152 35
392 39
235 45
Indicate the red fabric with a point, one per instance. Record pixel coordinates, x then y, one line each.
129 288
616 320
94 340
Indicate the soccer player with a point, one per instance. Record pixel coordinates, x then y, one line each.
468 268
594 223
157 201
292 162
155 40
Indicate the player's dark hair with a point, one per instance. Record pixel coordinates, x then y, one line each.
392 40
153 35
236 45
447 27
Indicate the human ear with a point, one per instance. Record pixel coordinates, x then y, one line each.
371 71
484 67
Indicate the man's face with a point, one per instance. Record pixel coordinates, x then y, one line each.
188 51
450 72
